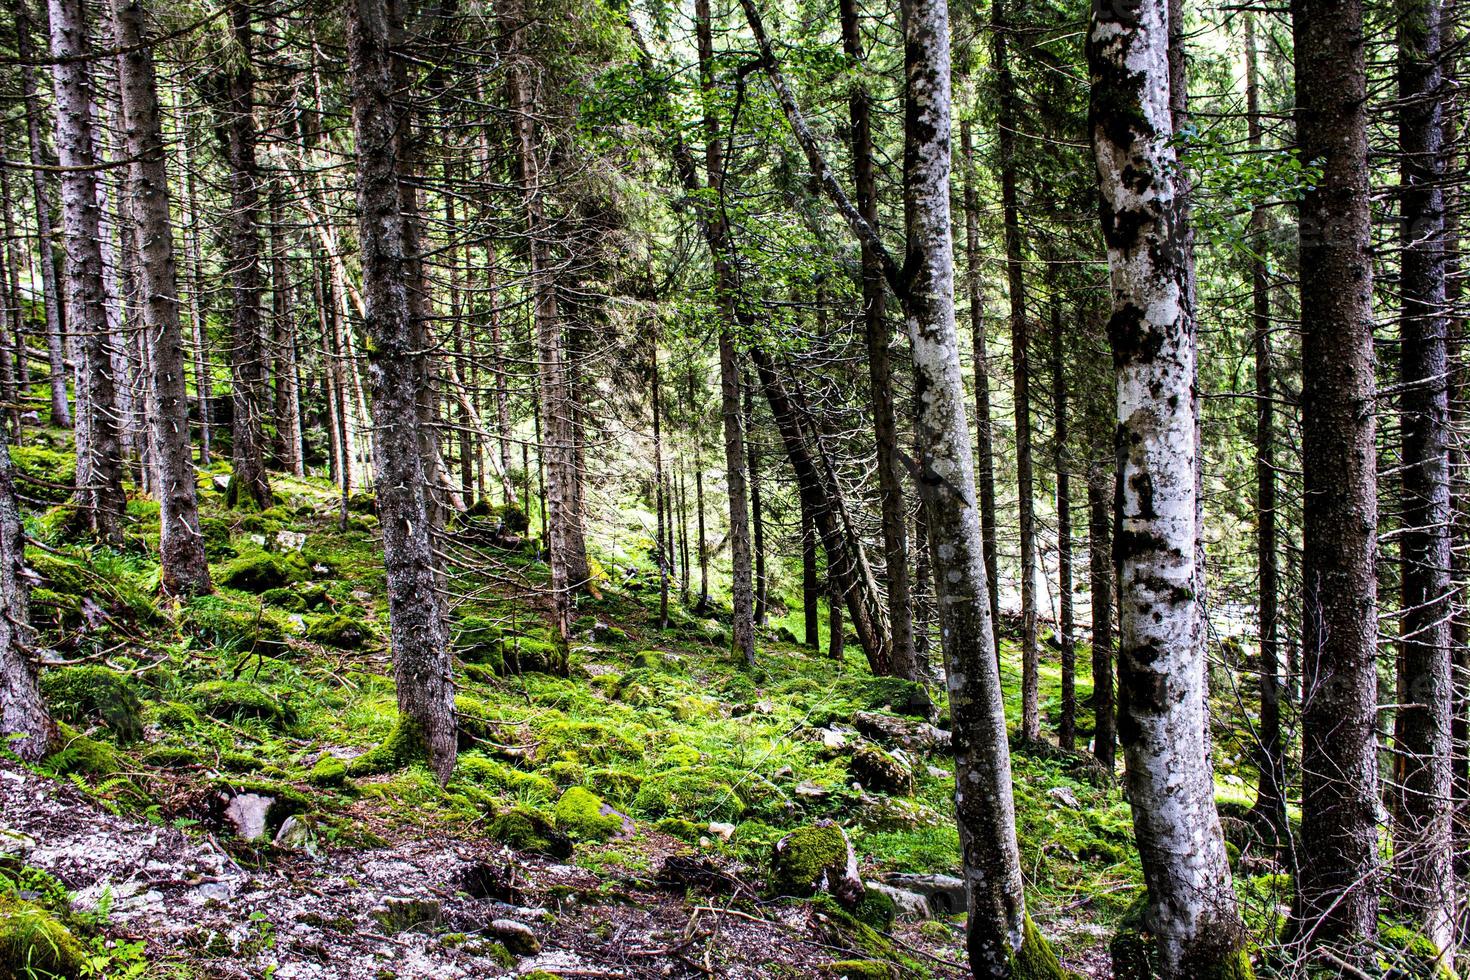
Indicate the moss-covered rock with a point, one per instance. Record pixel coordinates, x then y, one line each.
329 771
258 572
231 700
221 622
813 859
283 598
488 772
478 640
337 631
879 771
76 753
404 744
585 817
1036 960
591 741
877 910
1407 953
35 944
527 830
45 474
82 695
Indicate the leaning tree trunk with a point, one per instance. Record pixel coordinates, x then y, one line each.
1001 940
1169 784
249 484
879 336
1424 877
46 255
184 567
99 457
421 663
1338 874
24 720
1021 371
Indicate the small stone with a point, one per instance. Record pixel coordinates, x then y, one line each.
910 905
945 893
515 936
831 739
811 790
880 771
1065 796
404 913
936 772
290 540
218 891
295 832
247 812
724 831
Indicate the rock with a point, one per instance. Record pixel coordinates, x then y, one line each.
938 772
581 814
831 739
944 893
290 540
811 790
905 733
515 936
724 831
217 891
247 813
527 830
817 858
1065 796
296 832
407 913
910 905
879 771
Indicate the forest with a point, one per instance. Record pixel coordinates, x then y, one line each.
760 489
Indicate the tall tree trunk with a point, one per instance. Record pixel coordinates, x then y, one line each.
12 331
283 353
662 554
1338 877
1100 568
1021 372
249 485
727 297
50 290
809 597
557 449
702 547
1424 873
184 567
1270 805
1067 725
757 520
23 716
1162 660
421 663
99 459
879 336
203 374
985 443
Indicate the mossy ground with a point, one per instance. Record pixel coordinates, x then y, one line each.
661 725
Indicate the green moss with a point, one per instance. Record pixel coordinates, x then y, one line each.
258 572
880 772
877 910
579 814
845 930
172 715
329 771
82 755
230 700
403 745
35 944
171 757
478 640
222 622
657 661
689 792
527 830
802 857
1036 960
337 631
590 741
288 599
45 466
1134 951
488 772
685 830
859 970
84 694
1405 952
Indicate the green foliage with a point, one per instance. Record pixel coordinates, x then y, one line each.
219 621
45 474
488 772
336 631
860 970
701 791
1035 960
82 755
83 694
1406 953
579 813
329 771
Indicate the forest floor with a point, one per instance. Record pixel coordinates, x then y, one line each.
216 813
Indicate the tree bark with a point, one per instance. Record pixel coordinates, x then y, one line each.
283 356
1100 567
250 484
184 566
727 289
50 291
757 520
422 668
22 709
1162 660
1067 724
1021 372
1424 873
879 337
1338 874
984 430
809 598
99 459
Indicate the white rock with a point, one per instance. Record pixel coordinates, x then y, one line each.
247 812
911 905
1065 796
724 831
